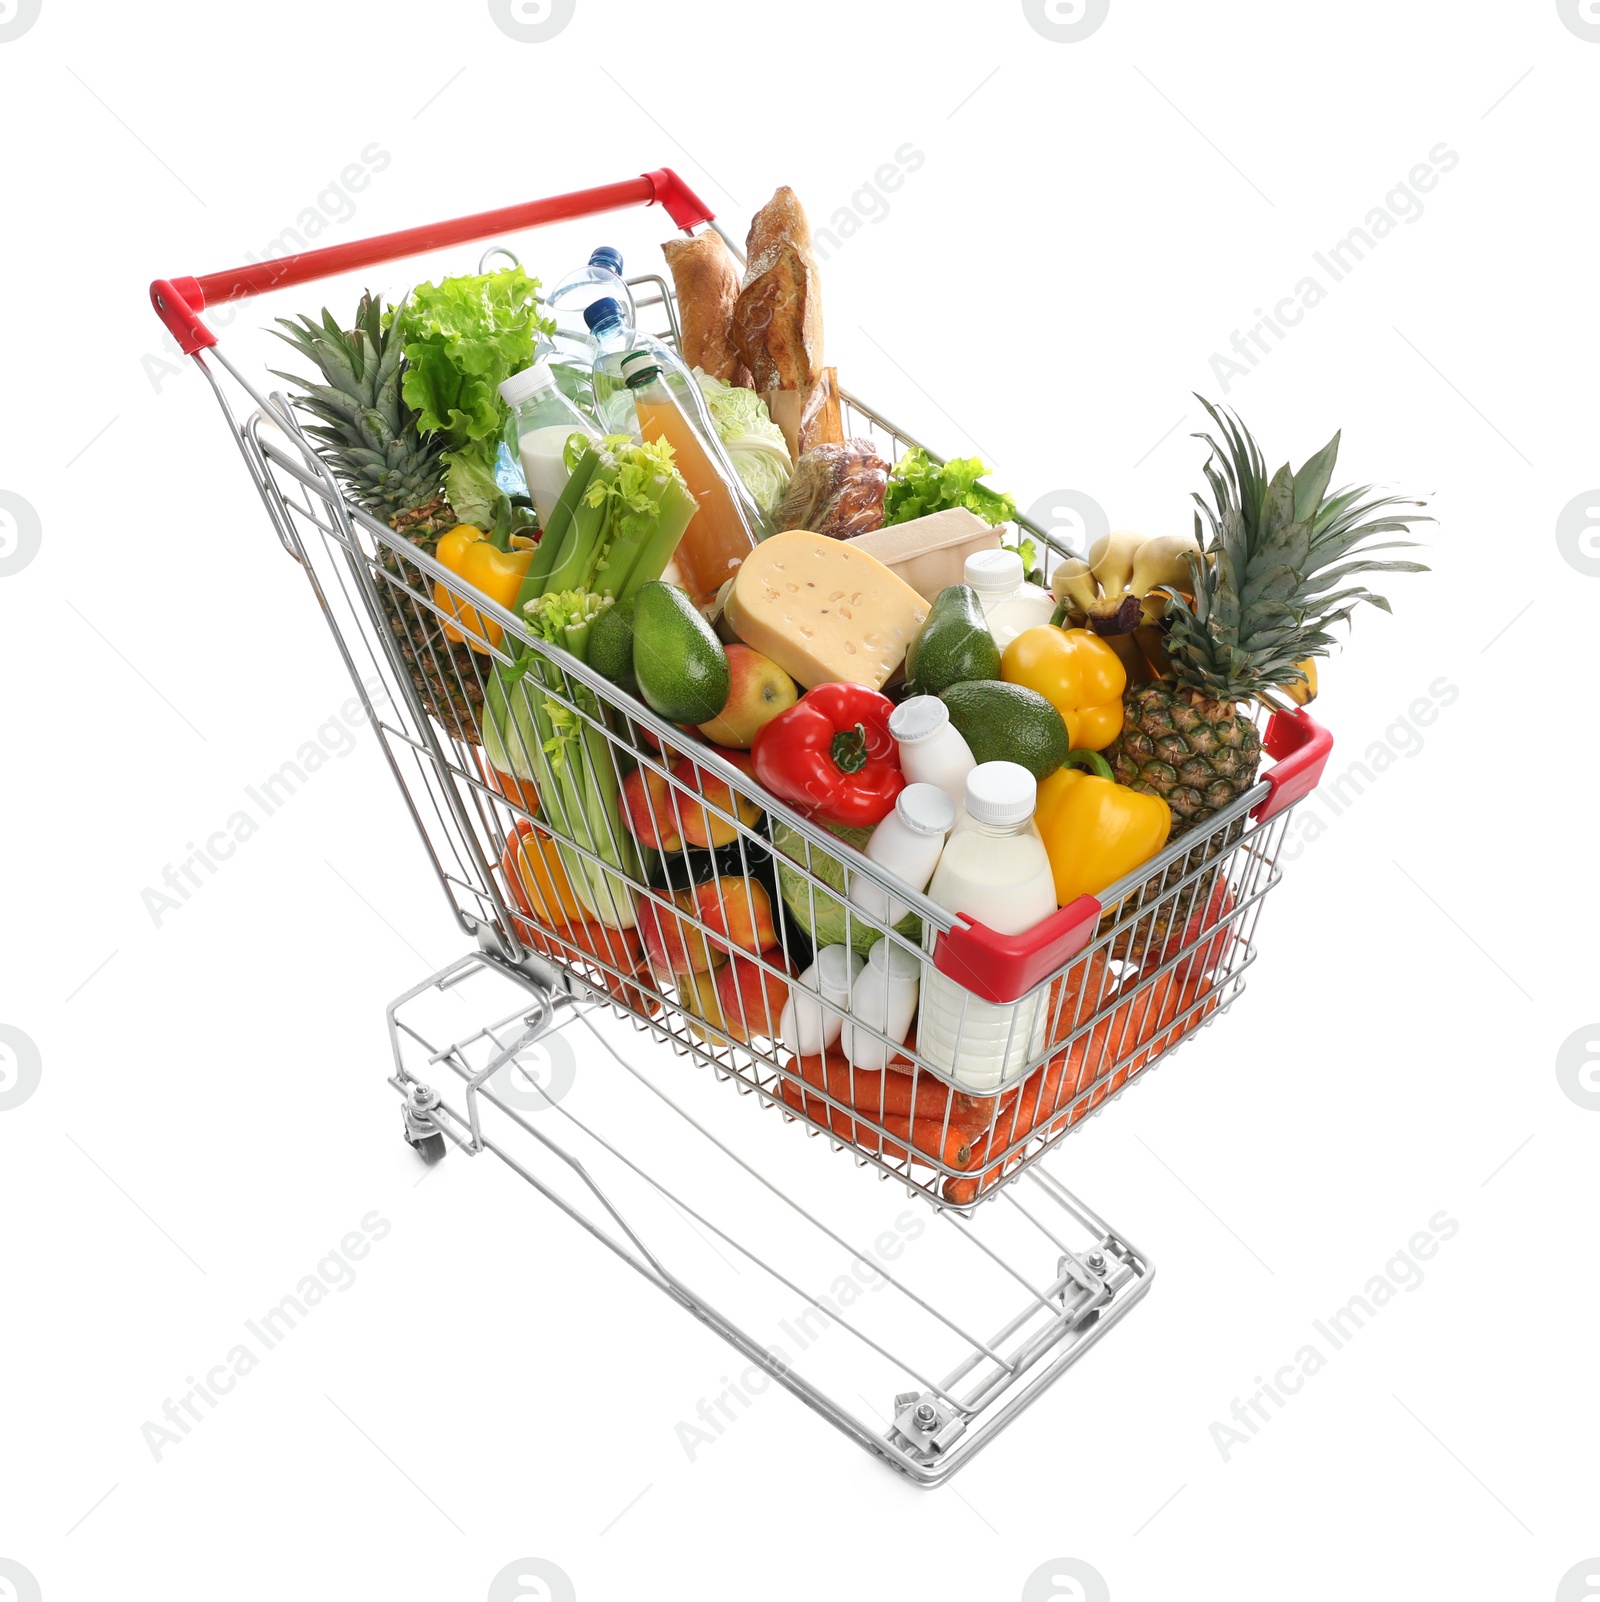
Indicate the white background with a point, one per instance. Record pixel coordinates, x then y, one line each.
1091 223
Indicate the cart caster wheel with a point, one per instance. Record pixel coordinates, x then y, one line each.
431 1149
419 1125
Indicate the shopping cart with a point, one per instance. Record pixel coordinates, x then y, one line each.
1099 994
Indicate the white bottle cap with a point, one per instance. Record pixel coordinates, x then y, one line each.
836 968
890 958
1001 792
925 809
526 384
993 572
918 718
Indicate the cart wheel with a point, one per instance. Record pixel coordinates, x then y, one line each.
419 1125
430 1147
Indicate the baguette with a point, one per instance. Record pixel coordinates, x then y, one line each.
777 321
706 278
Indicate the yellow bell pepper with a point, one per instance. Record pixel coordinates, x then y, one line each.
467 552
1096 830
1077 673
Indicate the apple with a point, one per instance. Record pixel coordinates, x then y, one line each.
651 807
758 690
741 909
700 825
673 944
698 995
752 999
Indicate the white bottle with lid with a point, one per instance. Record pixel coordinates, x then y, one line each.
907 843
807 1027
995 870
1009 604
545 419
932 750
884 997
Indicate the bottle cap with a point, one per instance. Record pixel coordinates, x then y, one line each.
891 958
609 257
599 313
641 376
918 718
993 572
925 809
836 969
1001 792
641 355
529 382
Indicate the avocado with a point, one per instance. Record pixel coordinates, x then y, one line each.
954 644
680 664
611 645
1008 723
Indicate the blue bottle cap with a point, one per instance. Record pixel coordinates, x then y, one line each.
599 312
607 256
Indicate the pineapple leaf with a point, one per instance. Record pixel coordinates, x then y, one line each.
1311 482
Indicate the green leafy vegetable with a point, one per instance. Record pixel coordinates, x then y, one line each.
463 337
756 445
918 486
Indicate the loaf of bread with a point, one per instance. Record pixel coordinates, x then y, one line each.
706 278
782 221
836 490
777 320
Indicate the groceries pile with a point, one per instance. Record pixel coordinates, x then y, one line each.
997 731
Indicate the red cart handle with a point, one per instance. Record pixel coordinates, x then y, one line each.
179 301
1004 968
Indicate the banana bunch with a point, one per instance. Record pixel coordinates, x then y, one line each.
1119 594
1115 591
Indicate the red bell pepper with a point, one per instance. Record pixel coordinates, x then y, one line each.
831 756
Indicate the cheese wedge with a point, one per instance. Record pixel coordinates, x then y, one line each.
825 612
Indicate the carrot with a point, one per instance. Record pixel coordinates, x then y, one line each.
953 1147
890 1092
1138 1023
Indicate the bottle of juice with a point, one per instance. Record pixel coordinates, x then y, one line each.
718 537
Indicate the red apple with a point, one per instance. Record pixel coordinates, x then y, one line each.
701 826
751 999
758 691
673 944
738 908
653 809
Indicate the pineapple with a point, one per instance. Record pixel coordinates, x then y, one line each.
1267 591
369 438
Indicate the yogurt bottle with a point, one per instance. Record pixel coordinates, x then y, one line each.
907 843
1009 604
932 750
994 869
807 1027
884 997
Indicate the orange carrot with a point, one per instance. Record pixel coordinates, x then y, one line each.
953 1147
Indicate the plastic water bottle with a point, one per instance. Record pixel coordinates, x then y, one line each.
615 339
599 279
994 869
570 350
